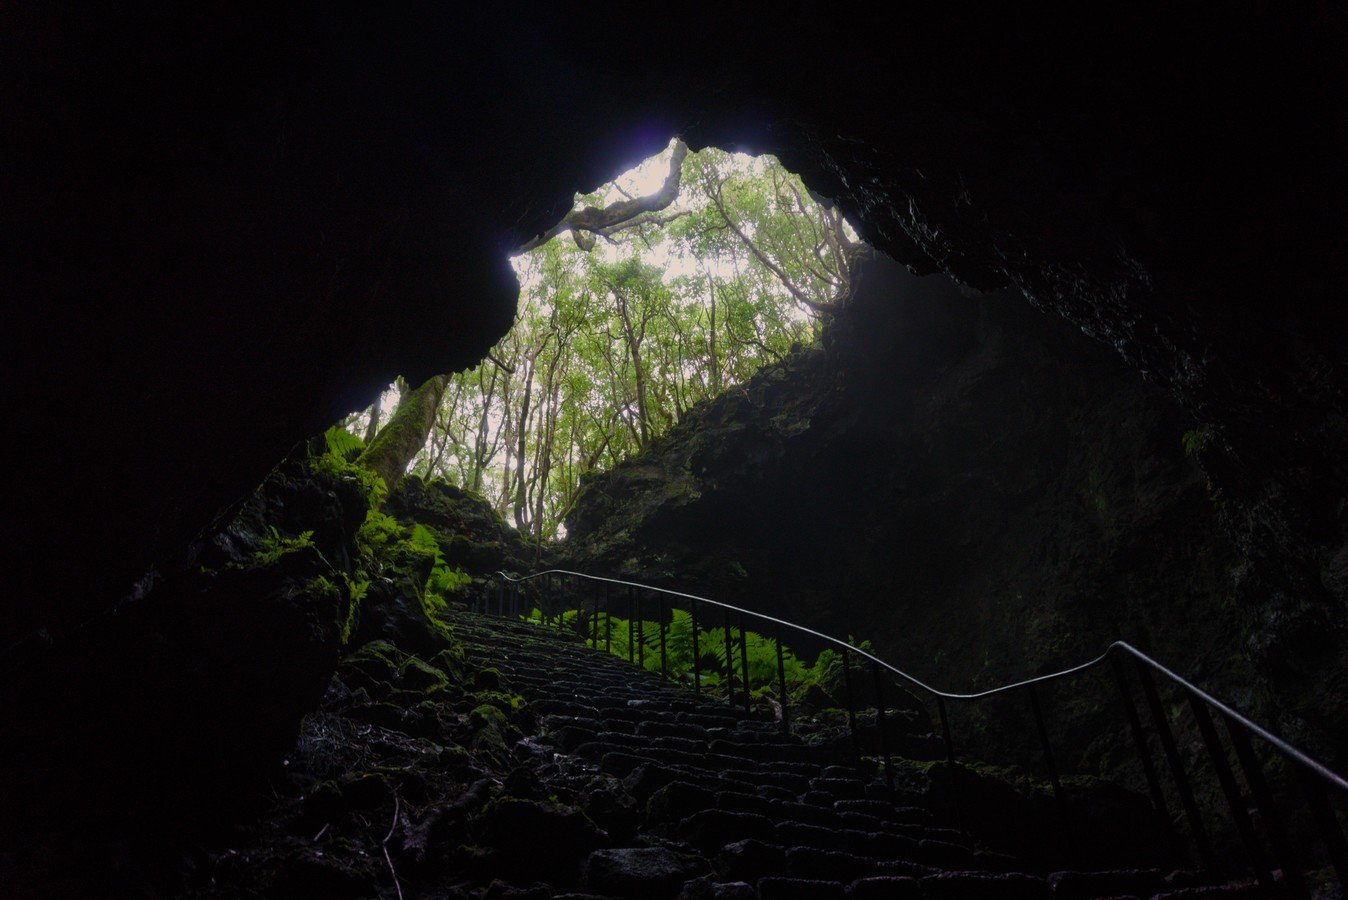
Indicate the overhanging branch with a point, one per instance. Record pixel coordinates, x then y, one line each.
589 221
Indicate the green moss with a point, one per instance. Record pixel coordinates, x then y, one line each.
506 703
487 715
378 662
372 487
451 660
356 592
275 546
416 674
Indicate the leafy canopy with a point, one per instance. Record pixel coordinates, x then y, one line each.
623 328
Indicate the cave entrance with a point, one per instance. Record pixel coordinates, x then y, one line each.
673 282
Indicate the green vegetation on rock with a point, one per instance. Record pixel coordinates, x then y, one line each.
632 312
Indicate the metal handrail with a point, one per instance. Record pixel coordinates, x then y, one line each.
1234 720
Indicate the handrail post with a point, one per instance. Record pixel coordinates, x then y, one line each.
1292 878
944 716
945 731
851 706
881 723
729 661
1054 781
594 624
1318 782
697 655
1226 779
1186 794
1144 756
661 606
641 628
744 666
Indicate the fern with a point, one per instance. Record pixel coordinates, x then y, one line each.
377 532
1194 440
277 545
444 578
342 443
759 650
372 487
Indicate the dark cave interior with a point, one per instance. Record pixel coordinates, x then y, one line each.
228 230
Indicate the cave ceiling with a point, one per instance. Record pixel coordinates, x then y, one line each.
227 229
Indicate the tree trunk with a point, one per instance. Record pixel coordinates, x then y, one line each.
521 487
711 339
373 428
398 442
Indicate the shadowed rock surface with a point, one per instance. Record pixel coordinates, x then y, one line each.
930 479
229 228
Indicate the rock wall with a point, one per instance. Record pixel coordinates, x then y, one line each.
228 228
974 486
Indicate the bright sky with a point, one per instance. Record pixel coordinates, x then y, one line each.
641 181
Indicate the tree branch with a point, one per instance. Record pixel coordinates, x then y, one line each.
492 357
588 221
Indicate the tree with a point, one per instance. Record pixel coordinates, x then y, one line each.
658 303
398 442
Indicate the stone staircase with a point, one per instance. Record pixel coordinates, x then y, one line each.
703 801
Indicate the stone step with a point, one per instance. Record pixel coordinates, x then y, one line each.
777 816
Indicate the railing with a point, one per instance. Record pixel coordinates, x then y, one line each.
1315 779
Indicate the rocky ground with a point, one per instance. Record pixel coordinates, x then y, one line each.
520 763
437 751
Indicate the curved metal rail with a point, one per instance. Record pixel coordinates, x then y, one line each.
1313 774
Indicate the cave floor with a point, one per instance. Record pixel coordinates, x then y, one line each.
552 770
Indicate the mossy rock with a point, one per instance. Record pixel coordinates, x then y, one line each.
376 663
488 716
455 760
416 674
450 661
488 678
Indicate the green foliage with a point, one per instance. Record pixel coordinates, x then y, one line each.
377 533
1194 440
277 545
372 487
614 346
342 443
379 539
444 579
759 650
